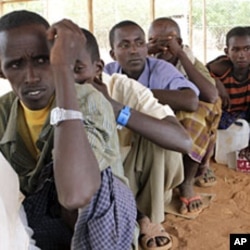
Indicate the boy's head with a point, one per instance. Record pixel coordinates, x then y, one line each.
238 46
161 29
24 54
128 47
89 64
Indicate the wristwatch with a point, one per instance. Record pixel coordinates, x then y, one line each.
58 115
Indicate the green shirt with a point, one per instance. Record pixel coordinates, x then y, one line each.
99 122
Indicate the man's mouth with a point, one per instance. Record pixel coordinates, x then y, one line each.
34 93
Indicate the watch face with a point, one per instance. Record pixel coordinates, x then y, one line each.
56 116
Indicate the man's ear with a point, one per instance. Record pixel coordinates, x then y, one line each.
112 54
99 67
226 51
179 40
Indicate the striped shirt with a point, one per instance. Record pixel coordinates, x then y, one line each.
239 92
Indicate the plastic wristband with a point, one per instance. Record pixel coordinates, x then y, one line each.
123 116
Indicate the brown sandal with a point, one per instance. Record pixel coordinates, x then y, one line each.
150 231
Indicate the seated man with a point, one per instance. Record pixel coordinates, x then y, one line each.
165 43
149 130
233 74
129 49
75 194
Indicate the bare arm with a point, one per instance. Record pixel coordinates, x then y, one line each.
167 133
219 66
76 169
226 104
208 91
183 99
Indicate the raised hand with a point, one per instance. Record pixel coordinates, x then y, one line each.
66 40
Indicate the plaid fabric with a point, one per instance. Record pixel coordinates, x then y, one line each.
108 222
202 127
43 214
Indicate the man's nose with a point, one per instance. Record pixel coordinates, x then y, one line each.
133 48
31 76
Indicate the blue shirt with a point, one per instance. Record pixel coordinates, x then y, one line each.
157 74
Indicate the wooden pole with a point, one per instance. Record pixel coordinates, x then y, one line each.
152 10
90 16
204 32
190 23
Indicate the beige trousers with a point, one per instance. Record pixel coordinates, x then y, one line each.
153 172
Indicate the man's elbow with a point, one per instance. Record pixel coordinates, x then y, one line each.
80 197
193 104
212 97
187 144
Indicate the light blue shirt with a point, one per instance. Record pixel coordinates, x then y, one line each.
157 74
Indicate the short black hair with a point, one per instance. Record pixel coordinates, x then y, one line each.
121 25
237 31
19 18
91 45
172 21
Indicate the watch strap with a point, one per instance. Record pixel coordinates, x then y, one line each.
58 115
123 116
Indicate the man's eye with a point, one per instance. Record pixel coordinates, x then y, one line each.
15 65
124 45
140 43
78 69
42 60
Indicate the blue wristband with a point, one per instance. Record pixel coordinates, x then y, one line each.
123 116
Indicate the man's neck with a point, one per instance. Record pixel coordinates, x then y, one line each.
132 74
241 74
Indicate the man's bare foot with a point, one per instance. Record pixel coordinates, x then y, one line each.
190 203
207 179
153 235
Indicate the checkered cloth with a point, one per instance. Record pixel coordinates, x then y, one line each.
202 127
108 222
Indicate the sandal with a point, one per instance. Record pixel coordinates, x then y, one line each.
150 232
186 202
208 179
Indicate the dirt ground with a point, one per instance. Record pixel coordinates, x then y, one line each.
229 212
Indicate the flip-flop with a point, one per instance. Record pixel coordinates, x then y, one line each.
186 202
150 231
203 180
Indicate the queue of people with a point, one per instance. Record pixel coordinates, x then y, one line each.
93 152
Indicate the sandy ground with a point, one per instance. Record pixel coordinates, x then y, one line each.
228 213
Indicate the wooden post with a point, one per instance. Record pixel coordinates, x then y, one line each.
204 26
90 16
152 10
190 23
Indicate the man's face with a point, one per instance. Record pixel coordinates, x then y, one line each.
25 63
130 49
161 31
85 70
239 51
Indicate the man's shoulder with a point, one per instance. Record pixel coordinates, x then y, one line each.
6 101
220 66
111 67
156 65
